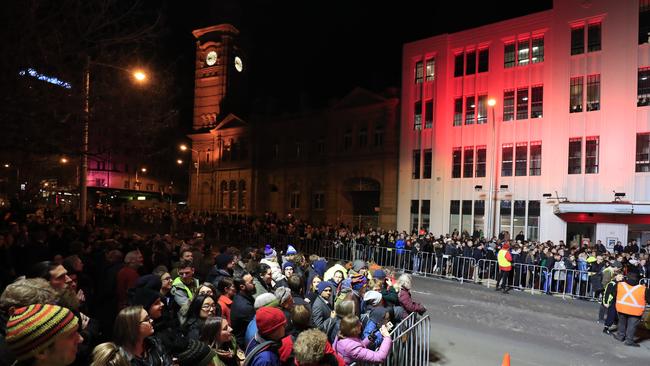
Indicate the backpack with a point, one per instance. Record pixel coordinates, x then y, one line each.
257 350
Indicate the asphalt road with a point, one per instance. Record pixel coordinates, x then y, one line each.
473 325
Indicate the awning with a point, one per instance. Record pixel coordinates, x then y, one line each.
610 212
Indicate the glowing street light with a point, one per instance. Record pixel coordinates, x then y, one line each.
184 147
139 75
64 160
179 161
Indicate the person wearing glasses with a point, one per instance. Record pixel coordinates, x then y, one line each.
185 285
201 307
133 332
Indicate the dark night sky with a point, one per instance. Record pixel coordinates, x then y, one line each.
323 49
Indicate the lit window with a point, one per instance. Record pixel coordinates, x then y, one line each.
431 69
508 105
643 152
575 95
470 109
593 92
643 87
591 155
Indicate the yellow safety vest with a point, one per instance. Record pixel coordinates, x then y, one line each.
503 261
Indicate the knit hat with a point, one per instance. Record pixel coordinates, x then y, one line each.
288 264
269 319
358 282
269 252
222 260
145 297
266 299
358 265
282 294
379 274
33 328
323 285
320 266
291 250
372 297
196 354
150 281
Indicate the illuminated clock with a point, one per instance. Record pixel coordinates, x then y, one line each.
211 58
239 65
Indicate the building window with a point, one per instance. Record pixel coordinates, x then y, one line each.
593 37
347 140
522 103
363 137
470 64
538 50
509 55
577 40
482 110
508 105
318 201
416 165
644 21
417 116
294 200
575 155
643 152
415 211
505 214
483 60
533 220
428 161
431 69
419 72
519 219
480 161
242 195
523 52
466 218
468 164
379 136
575 92
535 158
591 155
458 111
456 163
458 65
479 218
643 87
428 114
593 92
537 102
224 195
470 109
521 155
425 214
506 160
233 194
454 216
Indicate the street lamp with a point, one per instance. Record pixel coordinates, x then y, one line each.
184 147
494 178
144 170
139 76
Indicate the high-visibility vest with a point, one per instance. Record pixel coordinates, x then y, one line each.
607 300
630 300
503 261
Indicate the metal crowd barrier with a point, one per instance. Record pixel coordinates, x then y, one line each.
570 282
529 277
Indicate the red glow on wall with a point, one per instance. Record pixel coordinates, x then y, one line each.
589 218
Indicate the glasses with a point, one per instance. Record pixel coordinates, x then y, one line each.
209 306
148 319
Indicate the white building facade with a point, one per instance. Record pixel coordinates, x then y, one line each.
564 152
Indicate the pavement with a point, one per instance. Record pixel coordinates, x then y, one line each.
474 325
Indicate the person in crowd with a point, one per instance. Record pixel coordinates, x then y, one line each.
243 309
296 286
43 335
208 289
128 276
405 299
321 309
54 273
108 354
201 307
226 289
186 254
261 301
263 348
223 268
311 348
262 279
608 306
352 349
132 332
217 333
285 300
288 269
185 285
504 259
150 300
165 291
312 291
198 353
631 299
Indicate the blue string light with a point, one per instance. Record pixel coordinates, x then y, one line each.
33 73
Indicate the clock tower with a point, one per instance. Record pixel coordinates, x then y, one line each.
219 65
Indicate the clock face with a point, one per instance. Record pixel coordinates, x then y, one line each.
239 65
211 58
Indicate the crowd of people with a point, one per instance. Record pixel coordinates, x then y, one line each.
98 295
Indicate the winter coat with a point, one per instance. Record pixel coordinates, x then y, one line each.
217 275
320 312
354 349
241 313
408 304
267 357
155 355
260 288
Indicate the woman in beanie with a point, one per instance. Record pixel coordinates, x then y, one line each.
353 349
132 333
218 335
201 307
198 353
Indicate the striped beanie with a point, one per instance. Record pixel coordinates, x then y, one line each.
33 328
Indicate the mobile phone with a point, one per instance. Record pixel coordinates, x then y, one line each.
389 326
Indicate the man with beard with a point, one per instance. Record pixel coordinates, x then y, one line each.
243 309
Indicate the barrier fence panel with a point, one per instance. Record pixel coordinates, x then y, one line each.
487 271
529 277
570 282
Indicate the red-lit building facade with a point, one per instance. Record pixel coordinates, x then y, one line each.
562 154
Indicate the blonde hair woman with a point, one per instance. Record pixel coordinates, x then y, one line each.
108 354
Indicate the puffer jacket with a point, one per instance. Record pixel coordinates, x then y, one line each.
408 304
155 355
354 350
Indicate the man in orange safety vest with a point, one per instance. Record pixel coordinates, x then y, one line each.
631 299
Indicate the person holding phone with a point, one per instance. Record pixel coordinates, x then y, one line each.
349 346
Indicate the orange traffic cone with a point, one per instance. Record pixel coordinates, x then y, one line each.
506 360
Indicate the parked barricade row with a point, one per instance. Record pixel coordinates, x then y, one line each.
569 282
